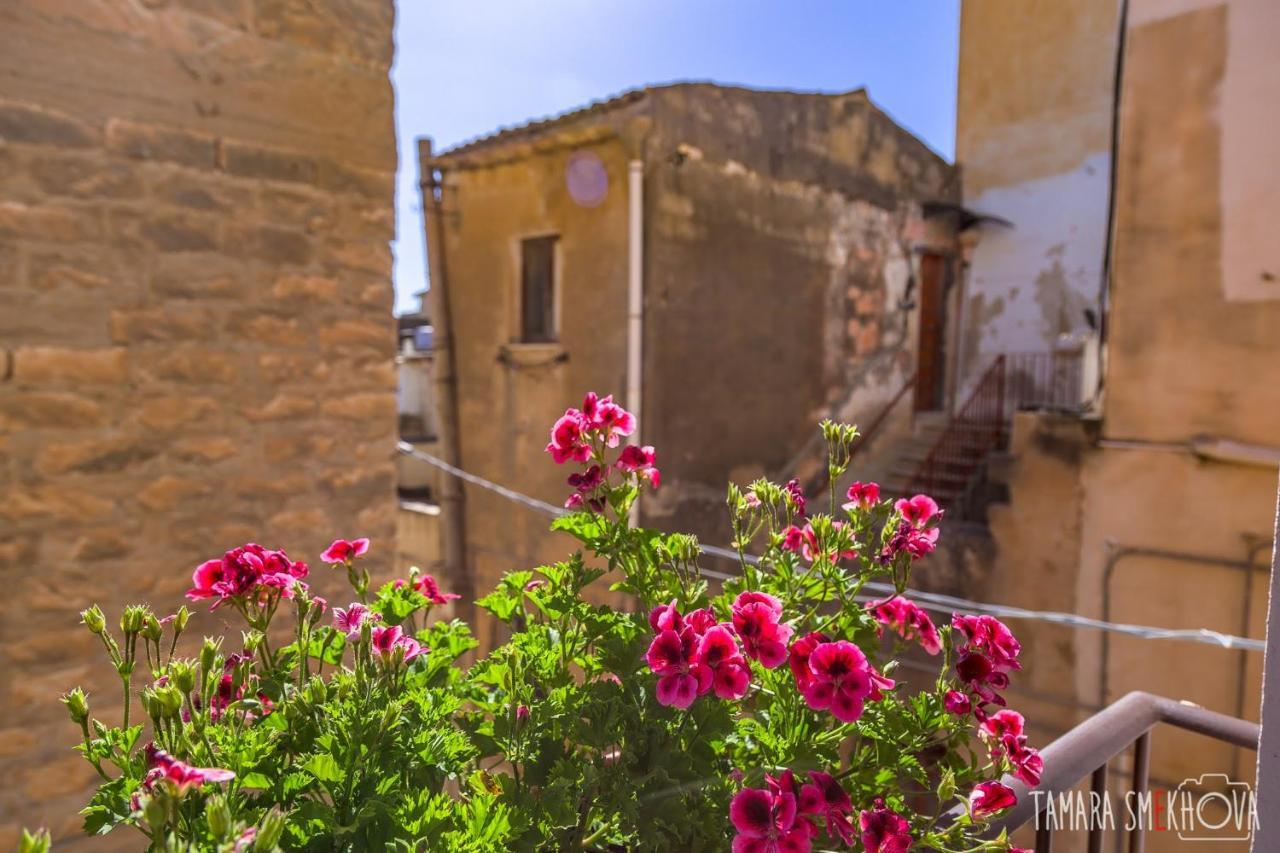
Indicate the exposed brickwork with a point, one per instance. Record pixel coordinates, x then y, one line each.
196 343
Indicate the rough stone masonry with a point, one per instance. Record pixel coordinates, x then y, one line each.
196 340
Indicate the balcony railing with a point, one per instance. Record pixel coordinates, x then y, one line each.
1044 380
1087 750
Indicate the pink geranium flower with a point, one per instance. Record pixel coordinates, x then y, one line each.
388 640
349 619
957 703
755 619
345 550
569 439
841 680
426 584
884 830
908 620
801 649
796 494
718 652
765 820
640 461
986 653
1004 734
990 798
608 418
670 657
182 776
825 797
249 573
917 511
862 496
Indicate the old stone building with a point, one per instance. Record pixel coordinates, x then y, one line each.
767 244
1134 158
196 341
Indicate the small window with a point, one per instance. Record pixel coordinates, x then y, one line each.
537 290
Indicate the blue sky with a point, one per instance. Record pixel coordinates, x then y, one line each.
465 68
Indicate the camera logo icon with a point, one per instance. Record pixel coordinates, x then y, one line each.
1213 807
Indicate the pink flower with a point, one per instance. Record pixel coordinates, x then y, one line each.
755 619
988 798
569 439
765 820
670 657
640 461
701 621
320 604
801 649
880 684
884 830
915 542
804 540
825 797
986 653
431 590
522 713
348 620
917 511
388 639
1003 732
179 774
796 494
957 703
249 572
718 651
665 617
587 481
608 418
862 496
345 550
841 680
909 620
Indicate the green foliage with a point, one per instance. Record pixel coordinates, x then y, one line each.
553 740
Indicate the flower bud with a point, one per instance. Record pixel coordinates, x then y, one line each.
270 828
124 668
93 619
150 704
38 842
180 620
154 812
170 700
209 654
182 674
252 640
77 706
151 628
522 714
218 814
133 618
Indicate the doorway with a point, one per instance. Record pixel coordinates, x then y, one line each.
931 355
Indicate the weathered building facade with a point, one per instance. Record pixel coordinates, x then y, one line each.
779 237
1157 506
196 340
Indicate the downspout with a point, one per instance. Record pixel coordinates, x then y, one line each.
453 539
635 303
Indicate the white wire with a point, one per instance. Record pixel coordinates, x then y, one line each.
930 600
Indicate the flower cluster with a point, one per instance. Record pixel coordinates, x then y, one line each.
757 621
693 655
1003 733
787 815
884 830
249 574
805 542
861 496
916 533
908 620
986 653
582 435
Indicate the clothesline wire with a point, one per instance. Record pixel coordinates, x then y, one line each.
936 602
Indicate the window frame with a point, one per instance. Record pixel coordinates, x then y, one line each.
517 336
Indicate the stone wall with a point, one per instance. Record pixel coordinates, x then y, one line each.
196 342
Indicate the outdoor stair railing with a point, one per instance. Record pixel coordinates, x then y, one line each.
1086 750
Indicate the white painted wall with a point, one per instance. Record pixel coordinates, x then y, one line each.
1030 283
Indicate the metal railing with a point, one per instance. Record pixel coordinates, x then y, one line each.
1044 380
1086 750
952 464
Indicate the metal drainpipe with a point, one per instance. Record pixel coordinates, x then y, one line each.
452 497
635 304
1117 553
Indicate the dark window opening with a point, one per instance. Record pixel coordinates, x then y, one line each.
537 290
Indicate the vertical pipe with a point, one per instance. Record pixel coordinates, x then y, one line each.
452 499
635 302
1267 788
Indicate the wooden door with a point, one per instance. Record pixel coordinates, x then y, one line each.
930 359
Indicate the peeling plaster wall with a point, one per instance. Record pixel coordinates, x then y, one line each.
1032 138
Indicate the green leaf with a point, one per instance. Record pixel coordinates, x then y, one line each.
324 768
